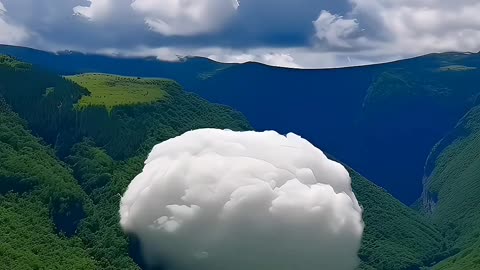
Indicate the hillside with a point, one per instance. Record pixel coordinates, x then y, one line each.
48 103
101 152
378 119
40 203
451 190
78 215
395 236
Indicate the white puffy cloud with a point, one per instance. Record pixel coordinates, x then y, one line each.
403 28
185 17
96 10
219 199
9 33
117 12
334 29
428 26
166 17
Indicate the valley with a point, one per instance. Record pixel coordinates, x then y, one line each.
399 124
356 114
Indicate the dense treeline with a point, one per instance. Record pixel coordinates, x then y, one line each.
28 166
395 237
47 102
451 196
44 99
78 206
126 129
41 204
92 167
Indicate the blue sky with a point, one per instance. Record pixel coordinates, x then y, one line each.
294 33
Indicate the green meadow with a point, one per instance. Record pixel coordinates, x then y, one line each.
111 91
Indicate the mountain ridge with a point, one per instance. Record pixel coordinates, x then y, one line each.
6 48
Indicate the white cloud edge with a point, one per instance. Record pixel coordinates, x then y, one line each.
9 33
413 28
256 181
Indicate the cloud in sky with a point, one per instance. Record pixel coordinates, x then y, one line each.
295 33
96 10
335 30
185 17
418 26
10 33
218 199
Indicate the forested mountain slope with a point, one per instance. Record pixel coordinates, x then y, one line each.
78 216
41 204
451 190
395 236
49 104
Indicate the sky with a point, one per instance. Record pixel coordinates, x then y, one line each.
291 33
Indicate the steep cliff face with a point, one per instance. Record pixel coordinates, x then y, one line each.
450 197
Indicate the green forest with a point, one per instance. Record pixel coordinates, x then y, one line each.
457 171
63 166
71 182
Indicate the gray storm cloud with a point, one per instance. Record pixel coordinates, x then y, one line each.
224 200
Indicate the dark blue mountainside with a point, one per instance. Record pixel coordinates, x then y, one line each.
381 120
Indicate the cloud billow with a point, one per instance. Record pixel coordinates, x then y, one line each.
10 33
219 199
185 17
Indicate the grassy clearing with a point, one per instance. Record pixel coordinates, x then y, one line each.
111 91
